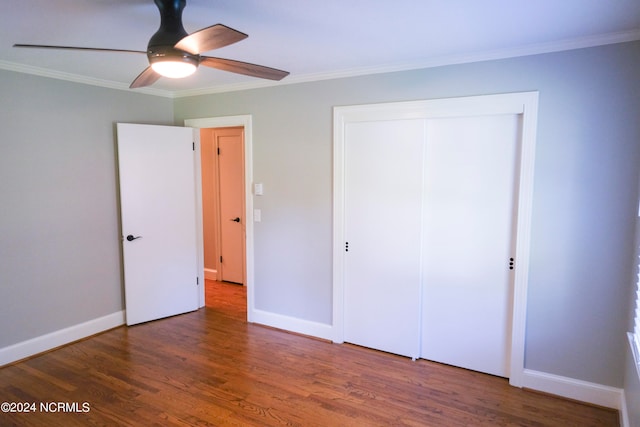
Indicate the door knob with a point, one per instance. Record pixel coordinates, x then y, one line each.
236 219
130 237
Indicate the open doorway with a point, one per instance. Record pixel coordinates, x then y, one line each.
226 299
223 212
244 122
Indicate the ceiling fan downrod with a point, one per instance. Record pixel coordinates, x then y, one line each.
171 30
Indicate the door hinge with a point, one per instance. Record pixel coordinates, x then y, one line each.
220 258
218 151
346 246
197 281
194 146
511 263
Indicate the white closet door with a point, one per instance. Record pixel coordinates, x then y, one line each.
383 209
468 241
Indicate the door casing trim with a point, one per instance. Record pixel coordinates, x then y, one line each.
218 122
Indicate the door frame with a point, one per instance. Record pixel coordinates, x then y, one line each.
525 104
244 121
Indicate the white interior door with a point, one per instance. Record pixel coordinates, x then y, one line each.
468 241
230 143
383 207
158 210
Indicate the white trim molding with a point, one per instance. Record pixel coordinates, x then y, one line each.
293 324
77 78
210 274
635 351
595 394
488 55
59 338
431 62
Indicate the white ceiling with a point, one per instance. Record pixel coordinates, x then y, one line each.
313 39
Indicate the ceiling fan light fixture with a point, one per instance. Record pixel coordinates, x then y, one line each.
173 69
173 63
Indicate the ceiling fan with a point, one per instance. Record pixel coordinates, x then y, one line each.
175 54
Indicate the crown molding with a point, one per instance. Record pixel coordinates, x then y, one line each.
532 49
77 78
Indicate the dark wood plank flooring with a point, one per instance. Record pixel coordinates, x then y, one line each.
211 368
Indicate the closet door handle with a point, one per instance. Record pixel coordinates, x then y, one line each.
236 219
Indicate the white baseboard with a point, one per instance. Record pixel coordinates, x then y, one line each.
210 274
570 388
292 324
55 339
584 391
596 394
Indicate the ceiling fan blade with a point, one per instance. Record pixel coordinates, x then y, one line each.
210 38
96 49
244 68
146 78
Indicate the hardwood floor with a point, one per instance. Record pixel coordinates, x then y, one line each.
212 368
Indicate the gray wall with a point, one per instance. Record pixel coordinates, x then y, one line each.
59 248
59 225
584 199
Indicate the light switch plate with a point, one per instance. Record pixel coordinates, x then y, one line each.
257 215
257 189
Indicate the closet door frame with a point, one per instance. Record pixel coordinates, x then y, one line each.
524 104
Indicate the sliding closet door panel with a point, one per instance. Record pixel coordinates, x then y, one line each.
383 213
469 220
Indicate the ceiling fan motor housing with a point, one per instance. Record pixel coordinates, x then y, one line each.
171 31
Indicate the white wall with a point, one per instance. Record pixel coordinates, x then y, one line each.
59 219
588 153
